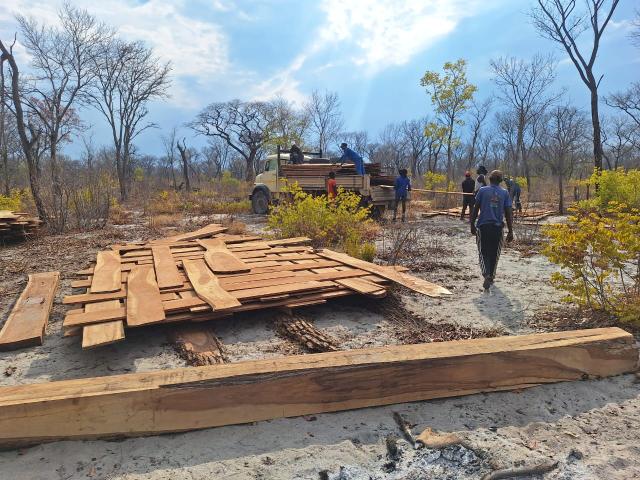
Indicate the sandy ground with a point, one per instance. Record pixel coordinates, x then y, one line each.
591 428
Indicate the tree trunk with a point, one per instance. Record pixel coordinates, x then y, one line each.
250 173
449 162
561 193
26 143
597 137
122 178
184 156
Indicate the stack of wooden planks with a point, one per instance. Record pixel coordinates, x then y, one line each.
206 274
209 396
17 224
528 214
323 169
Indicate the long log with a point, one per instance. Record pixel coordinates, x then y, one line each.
201 397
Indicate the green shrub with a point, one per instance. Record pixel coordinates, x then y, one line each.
599 252
341 222
615 186
13 202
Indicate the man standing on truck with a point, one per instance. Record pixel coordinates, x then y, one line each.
349 156
494 204
295 155
402 187
468 186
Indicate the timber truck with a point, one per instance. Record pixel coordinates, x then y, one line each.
312 174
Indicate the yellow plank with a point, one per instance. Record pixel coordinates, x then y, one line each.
102 333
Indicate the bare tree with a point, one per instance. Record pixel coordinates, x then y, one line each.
288 125
29 139
479 112
217 156
392 147
169 143
357 141
185 155
559 143
619 134
523 88
559 21
128 77
415 143
628 101
62 63
4 137
244 126
635 34
325 119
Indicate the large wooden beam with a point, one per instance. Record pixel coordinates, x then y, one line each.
200 397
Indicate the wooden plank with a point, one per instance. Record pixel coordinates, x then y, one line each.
27 321
166 270
219 257
362 286
207 231
207 285
102 333
107 273
413 283
242 392
144 305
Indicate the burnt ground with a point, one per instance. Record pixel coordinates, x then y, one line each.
591 428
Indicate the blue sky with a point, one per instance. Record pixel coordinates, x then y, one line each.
372 52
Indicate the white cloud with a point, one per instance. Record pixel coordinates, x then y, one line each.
387 34
197 49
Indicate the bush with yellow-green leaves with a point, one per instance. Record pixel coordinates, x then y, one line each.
340 222
598 249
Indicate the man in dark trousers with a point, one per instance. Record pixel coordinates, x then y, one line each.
468 186
493 203
402 186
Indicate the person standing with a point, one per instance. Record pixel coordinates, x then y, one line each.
332 186
349 156
493 204
468 200
295 155
481 181
402 187
515 192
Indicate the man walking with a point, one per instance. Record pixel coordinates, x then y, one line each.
349 156
494 204
514 192
468 185
402 186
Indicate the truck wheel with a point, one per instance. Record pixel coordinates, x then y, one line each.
259 202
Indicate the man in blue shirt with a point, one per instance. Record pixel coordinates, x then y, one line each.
349 156
402 186
494 204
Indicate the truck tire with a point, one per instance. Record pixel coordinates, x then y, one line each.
260 202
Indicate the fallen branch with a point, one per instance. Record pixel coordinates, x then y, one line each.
521 472
406 428
298 329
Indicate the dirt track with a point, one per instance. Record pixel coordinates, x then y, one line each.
592 428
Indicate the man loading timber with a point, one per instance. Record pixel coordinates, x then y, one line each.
493 203
349 156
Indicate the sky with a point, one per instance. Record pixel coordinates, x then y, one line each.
371 52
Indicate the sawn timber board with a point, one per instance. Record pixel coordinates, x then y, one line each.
27 321
209 396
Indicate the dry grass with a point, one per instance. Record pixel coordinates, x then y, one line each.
164 220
